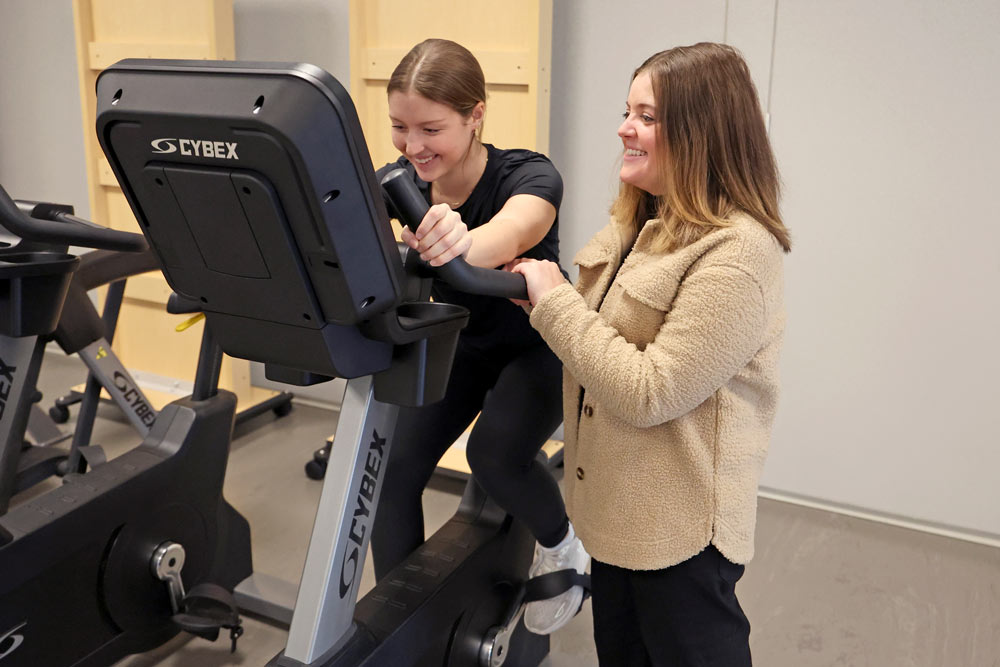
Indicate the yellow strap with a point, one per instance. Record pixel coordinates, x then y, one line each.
190 322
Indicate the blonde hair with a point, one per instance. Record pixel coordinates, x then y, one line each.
444 72
715 156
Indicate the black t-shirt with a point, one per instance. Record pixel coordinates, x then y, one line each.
494 321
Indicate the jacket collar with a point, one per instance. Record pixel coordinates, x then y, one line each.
600 259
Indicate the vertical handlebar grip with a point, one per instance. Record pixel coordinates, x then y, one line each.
410 205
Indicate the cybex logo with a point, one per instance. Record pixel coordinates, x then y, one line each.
10 641
6 384
225 150
362 515
164 145
134 398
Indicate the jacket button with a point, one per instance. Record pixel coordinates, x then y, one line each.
588 411
579 473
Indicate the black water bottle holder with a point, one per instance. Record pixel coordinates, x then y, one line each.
33 287
425 335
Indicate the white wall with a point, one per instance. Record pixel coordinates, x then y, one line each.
41 144
311 31
883 119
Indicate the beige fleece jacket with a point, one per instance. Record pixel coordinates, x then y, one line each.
670 388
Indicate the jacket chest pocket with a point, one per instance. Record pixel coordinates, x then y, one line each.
594 274
637 304
589 277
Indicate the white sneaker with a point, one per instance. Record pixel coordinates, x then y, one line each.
544 617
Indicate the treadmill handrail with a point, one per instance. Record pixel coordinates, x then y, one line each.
458 273
65 229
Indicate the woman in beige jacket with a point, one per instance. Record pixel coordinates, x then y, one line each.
670 347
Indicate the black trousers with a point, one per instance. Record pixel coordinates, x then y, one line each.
519 394
686 615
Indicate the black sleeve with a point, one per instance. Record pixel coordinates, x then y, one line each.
535 175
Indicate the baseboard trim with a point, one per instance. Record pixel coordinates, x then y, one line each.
943 530
314 402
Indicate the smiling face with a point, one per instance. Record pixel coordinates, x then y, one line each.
433 136
638 133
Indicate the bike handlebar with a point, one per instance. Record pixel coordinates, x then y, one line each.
60 227
458 273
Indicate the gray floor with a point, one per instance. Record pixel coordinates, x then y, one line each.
823 589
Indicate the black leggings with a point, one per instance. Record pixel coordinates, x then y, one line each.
520 400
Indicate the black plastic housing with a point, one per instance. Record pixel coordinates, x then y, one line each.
427 333
253 184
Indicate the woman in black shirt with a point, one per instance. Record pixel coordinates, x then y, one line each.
490 206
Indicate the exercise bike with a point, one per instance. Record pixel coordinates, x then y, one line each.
122 558
83 332
79 330
253 185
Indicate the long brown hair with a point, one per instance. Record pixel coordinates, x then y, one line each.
715 156
444 72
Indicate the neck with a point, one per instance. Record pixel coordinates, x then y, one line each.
455 187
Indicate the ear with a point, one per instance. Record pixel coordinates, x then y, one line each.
478 112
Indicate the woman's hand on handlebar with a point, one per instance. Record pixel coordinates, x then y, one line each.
441 236
541 276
